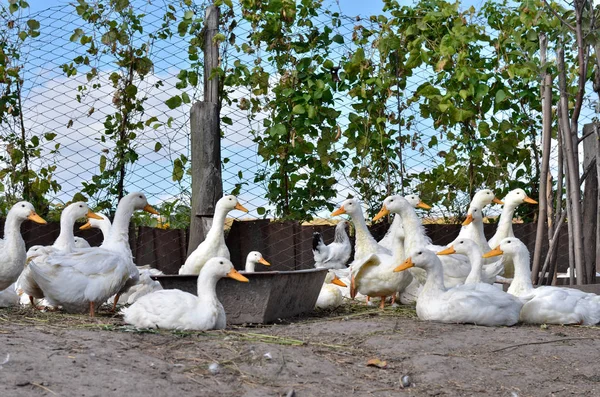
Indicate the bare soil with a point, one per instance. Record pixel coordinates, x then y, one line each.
55 354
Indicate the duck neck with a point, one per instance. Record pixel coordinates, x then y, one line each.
340 235
414 232
398 249
521 284
216 232
250 266
365 243
207 285
475 259
105 229
435 280
66 238
119 231
505 228
12 234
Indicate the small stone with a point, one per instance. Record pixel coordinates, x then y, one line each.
405 381
268 356
214 368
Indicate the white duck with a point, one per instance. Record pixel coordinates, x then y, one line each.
214 243
505 224
144 286
462 303
546 304
12 245
80 279
374 276
471 250
175 309
253 258
9 297
336 254
388 240
364 244
480 200
65 242
330 296
132 291
456 267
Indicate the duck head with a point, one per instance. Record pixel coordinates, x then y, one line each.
509 246
392 204
516 197
350 206
24 210
474 214
96 223
229 203
416 202
422 258
79 209
256 257
484 197
220 267
460 246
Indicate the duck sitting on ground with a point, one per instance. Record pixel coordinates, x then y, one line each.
462 303
330 296
175 309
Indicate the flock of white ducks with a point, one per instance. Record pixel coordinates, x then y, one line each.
453 286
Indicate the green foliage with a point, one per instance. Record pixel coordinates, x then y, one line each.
18 180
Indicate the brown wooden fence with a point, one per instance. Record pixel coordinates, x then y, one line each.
287 245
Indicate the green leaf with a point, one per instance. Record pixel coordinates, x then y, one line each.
484 129
157 146
177 170
500 96
49 136
174 102
33 24
189 14
185 97
338 38
261 210
102 163
298 109
277 130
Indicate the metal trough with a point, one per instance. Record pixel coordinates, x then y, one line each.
267 297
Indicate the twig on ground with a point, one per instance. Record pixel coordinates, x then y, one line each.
541 343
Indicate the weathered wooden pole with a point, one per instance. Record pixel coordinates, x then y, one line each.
207 185
590 201
546 94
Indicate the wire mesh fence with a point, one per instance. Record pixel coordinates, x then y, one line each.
65 123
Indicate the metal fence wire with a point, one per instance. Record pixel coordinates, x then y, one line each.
67 126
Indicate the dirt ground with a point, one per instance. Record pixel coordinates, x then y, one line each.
54 354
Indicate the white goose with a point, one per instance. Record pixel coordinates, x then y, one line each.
462 303
373 275
65 242
480 200
456 267
80 279
214 243
253 258
388 240
336 254
364 244
330 296
175 309
546 304
12 245
505 224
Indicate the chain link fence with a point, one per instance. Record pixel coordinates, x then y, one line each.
66 124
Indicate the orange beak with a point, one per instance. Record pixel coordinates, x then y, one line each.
36 218
423 205
234 274
337 281
148 208
240 207
406 265
448 251
383 212
264 262
495 252
90 214
85 226
339 211
529 200
497 201
468 220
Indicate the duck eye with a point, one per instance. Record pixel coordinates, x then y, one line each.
81 206
221 262
419 253
140 196
23 205
508 242
462 242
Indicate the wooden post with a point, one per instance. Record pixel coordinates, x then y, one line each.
207 185
546 94
590 202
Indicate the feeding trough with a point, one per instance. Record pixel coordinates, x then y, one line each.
267 297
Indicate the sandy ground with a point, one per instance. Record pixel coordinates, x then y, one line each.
54 354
